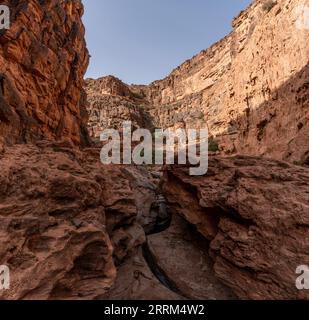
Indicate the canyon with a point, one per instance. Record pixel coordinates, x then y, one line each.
73 228
250 89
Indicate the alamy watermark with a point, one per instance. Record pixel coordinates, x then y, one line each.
4 277
157 148
302 17
302 282
4 17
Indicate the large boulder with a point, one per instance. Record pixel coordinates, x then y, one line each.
65 219
254 215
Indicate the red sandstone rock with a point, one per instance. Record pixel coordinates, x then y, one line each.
68 224
181 254
250 89
43 58
111 102
135 281
65 219
254 213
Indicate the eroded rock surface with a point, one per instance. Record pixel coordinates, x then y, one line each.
71 228
250 89
181 255
111 103
66 220
254 214
43 58
135 281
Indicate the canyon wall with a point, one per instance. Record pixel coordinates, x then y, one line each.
253 214
252 86
43 58
66 221
111 102
71 228
250 89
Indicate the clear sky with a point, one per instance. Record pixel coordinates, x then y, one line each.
140 41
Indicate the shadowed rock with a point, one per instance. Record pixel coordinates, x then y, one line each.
253 213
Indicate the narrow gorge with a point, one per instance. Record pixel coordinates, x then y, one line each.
73 228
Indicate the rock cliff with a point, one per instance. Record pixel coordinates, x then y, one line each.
250 89
72 228
253 215
67 222
111 102
43 58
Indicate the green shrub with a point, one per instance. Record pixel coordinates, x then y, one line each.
138 95
213 146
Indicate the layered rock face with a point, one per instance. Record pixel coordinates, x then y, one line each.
53 224
112 102
72 228
251 86
43 58
53 231
254 214
250 89
67 221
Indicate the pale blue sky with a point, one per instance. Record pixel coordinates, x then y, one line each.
140 41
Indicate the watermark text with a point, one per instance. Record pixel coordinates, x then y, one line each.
4 17
302 282
157 148
302 17
4 277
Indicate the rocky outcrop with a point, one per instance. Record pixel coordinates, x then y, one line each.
253 215
111 102
43 58
251 86
64 221
71 228
250 89
67 221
